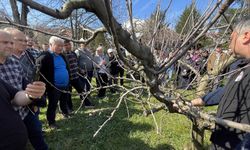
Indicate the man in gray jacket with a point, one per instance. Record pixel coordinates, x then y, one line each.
85 62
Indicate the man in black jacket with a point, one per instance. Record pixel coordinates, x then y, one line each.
55 74
234 104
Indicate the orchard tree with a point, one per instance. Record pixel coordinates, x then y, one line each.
193 30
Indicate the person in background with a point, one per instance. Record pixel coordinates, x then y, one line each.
215 59
86 69
45 47
75 81
102 78
113 69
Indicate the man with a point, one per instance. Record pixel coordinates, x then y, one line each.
234 104
113 68
216 58
101 68
45 47
55 74
28 60
85 62
13 73
75 81
13 132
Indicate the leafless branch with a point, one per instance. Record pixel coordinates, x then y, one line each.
95 33
116 108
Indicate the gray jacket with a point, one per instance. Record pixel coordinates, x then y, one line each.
100 68
85 59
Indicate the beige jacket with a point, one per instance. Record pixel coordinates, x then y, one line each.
213 61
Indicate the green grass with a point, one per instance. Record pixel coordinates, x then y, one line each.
136 132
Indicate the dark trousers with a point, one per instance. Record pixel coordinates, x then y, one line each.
101 80
79 86
87 81
34 128
69 102
121 74
112 81
245 143
54 96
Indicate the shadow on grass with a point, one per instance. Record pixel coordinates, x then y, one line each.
120 133
77 132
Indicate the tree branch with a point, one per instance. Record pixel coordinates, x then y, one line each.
185 47
97 7
94 33
15 12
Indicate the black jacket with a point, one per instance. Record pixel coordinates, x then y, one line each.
46 62
114 66
234 106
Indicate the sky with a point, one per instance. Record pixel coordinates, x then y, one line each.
141 8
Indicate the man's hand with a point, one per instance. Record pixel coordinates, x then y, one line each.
82 72
36 89
197 102
103 62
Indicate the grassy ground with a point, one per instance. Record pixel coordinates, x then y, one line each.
136 132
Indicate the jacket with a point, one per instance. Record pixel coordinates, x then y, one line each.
46 62
212 61
234 106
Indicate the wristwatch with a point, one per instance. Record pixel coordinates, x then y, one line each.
31 98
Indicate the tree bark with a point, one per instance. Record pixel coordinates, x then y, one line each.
15 13
24 14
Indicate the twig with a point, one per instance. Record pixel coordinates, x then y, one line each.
94 33
116 108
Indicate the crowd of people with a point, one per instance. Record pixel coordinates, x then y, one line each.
198 59
30 76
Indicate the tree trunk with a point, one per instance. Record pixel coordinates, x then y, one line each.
197 137
15 13
24 14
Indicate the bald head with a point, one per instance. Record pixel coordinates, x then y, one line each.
6 44
20 41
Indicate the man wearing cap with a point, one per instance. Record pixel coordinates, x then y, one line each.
113 68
